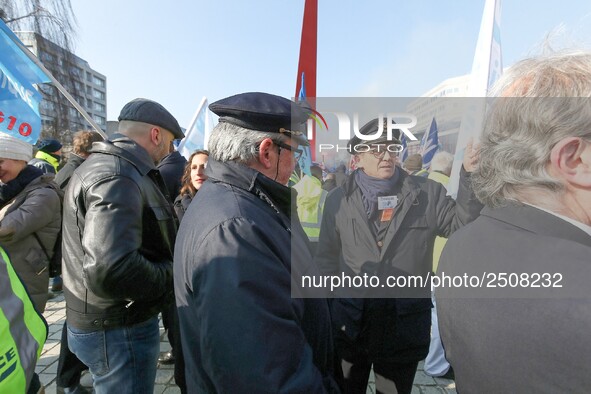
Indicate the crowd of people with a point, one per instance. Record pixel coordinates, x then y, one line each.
219 243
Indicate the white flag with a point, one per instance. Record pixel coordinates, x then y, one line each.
197 134
487 67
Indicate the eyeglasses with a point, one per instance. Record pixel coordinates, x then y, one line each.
297 153
379 150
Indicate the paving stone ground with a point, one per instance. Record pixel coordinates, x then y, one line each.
55 314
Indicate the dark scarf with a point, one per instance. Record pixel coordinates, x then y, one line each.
372 188
11 189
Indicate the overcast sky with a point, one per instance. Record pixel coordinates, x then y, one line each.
176 52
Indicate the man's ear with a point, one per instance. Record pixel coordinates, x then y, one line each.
156 135
265 152
570 159
356 160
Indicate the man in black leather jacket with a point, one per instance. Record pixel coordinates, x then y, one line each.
118 239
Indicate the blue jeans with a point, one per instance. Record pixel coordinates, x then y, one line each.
121 360
435 364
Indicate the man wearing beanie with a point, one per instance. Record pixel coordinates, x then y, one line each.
48 156
118 240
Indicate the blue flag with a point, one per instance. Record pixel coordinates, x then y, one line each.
302 94
404 148
305 160
429 145
19 100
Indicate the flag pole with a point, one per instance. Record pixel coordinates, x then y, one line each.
61 88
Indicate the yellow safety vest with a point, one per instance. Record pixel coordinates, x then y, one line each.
293 179
310 203
439 241
48 158
23 331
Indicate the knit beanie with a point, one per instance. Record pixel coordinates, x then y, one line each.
15 149
48 146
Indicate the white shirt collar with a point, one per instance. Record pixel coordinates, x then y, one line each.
572 221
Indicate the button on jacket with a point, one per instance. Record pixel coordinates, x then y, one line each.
118 238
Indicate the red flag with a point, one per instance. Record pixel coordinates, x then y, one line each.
307 63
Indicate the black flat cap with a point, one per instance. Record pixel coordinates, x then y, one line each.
49 145
264 112
148 111
371 128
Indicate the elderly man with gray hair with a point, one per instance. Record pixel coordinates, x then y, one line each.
531 333
242 328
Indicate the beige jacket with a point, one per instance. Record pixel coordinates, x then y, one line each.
37 209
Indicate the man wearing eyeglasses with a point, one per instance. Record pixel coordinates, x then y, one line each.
241 329
382 222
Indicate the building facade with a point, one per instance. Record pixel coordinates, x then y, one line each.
446 103
59 119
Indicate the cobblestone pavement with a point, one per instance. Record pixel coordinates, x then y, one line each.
55 314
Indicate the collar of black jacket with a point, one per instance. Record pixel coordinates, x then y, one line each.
127 149
246 178
172 158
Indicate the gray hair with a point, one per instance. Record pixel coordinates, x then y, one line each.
229 142
442 161
541 101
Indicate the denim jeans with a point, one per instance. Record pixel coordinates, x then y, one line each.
121 360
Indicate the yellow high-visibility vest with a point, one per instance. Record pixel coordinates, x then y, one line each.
310 203
23 331
439 241
48 158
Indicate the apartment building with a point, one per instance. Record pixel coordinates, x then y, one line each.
87 86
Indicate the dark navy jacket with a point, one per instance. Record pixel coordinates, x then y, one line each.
242 331
172 167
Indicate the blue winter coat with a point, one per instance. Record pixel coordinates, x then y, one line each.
241 329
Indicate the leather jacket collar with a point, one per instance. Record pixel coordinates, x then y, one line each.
244 177
126 148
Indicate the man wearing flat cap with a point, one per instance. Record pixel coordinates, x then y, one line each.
241 329
118 239
382 222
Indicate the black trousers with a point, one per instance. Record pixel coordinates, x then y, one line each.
170 320
390 377
69 368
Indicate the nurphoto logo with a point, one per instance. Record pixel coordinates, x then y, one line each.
394 121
